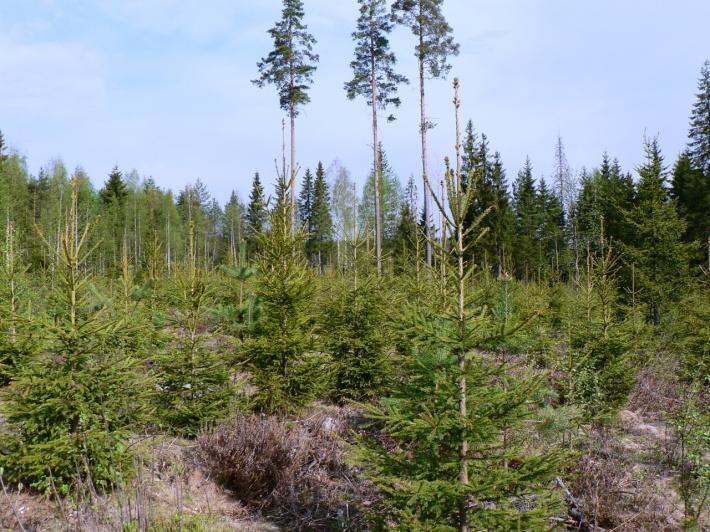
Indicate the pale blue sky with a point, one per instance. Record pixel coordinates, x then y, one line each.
163 86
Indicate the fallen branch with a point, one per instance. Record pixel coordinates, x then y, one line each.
575 509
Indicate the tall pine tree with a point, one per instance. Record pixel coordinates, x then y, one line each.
290 67
374 78
435 43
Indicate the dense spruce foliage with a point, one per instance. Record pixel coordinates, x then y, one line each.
481 344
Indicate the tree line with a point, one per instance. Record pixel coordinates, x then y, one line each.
536 228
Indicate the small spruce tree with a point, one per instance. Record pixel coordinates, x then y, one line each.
601 375
354 334
446 464
287 375
71 408
193 380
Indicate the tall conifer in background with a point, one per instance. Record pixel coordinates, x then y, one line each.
374 78
477 172
406 237
527 215
257 214
114 189
691 175
435 43
551 229
659 255
699 134
113 197
487 175
305 203
501 219
233 231
322 221
290 67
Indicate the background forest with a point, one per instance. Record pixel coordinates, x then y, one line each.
493 351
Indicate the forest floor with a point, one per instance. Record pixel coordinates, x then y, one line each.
627 478
623 479
169 492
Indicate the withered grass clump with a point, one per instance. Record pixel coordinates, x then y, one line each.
292 469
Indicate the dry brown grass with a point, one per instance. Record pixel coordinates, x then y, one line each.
168 492
624 477
657 385
293 469
619 489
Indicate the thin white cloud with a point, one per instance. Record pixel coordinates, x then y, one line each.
198 19
163 85
51 78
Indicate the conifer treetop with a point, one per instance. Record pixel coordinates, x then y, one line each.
699 134
115 187
436 42
292 62
373 56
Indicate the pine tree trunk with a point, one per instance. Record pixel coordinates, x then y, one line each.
425 164
292 181
376 173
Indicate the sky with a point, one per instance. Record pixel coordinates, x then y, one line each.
163 86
